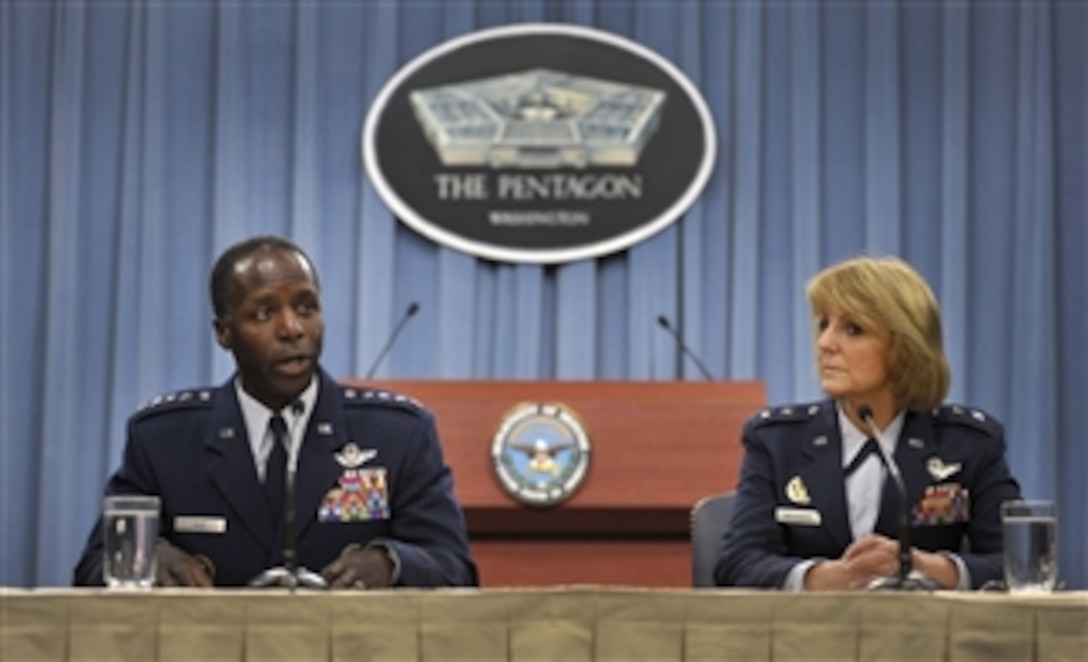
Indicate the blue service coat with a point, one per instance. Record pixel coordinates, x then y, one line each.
952 461
192 450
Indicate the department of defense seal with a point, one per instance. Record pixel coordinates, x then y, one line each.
540 453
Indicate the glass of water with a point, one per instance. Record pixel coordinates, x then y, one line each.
130 530
1031 550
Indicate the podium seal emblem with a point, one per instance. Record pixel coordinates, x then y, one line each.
540 453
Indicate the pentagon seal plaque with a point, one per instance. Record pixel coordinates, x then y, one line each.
540 453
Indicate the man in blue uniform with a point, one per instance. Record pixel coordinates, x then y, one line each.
815 508
283 468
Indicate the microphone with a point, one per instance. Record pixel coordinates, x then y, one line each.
290 575
664 322
290 545
410 312
906 579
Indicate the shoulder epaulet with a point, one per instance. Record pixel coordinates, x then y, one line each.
187 399
967 416
786 414
362 397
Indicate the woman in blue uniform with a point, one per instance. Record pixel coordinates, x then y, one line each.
815 509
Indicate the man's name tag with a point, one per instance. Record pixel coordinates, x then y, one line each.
797 516
193 524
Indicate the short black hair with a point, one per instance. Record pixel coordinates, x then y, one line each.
222 278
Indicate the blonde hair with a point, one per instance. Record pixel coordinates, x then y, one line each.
887 295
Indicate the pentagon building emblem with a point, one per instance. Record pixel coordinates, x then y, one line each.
539 143
538 119
540 453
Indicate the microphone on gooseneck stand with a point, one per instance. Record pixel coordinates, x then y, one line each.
664 322
410 312
290 574
290 545
906 579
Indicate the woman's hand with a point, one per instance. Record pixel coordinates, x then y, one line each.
865 560
874 557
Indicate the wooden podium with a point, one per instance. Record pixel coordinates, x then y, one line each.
656 449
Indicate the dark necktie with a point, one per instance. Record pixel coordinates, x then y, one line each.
275 474
870 448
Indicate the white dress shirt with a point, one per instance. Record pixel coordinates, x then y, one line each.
257 417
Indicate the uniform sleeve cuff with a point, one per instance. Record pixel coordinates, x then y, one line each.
795 580
964 581
394 560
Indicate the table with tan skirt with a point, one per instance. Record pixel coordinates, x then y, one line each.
564 623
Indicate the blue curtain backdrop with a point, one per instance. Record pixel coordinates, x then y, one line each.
139 139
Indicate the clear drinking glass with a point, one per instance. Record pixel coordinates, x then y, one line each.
130 529
1031 545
